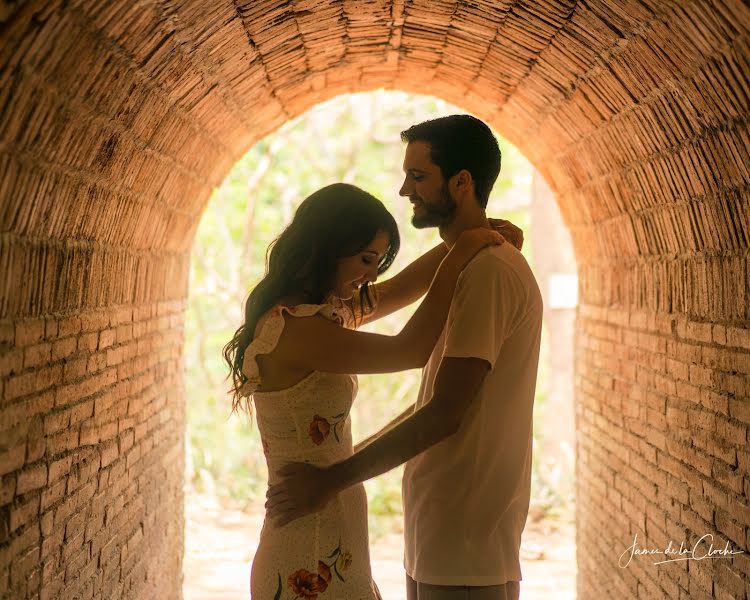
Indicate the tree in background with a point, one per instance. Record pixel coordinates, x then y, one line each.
354 139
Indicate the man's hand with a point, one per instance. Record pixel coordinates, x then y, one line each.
304 489
510 232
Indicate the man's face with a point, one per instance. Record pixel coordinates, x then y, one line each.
426 188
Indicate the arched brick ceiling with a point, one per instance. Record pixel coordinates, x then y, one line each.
119 117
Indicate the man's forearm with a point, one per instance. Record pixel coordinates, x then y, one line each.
425 428
367 441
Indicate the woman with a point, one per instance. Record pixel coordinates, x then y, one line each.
296 354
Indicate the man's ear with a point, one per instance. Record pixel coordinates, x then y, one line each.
463 182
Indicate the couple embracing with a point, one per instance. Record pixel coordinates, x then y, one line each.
466 440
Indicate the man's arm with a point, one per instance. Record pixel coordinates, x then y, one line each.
307 489
404 415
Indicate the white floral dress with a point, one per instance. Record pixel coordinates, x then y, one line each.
323 555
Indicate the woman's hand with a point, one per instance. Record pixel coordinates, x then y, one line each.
510 232
472 241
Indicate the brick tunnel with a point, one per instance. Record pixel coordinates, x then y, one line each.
118 119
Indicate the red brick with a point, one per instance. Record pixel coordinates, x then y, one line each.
94 321
124 333
74 369
56 444
29 332
96 362
11 361
31 479
740 409
106 338
719 334
126 441
94 525
121 315
63 348
34 382
677 369
12 459
700 375
732 431
23 565
81 412
51 327
87 342
699 331
728 583
677 417
56 421
734 532
7 332
74 565
60 468
24 513
738 337
37 355
75 525
728 477
114 356
7 490
64 510
52 589
46 523
702 419
69 326
109 453
71 548
89 436
688 392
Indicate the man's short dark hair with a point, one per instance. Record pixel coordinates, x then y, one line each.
461 142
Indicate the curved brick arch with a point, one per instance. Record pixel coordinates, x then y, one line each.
119 117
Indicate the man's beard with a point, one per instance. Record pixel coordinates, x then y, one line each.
435 214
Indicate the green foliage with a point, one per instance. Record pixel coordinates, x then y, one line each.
353 139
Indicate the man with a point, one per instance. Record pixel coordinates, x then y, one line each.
468 441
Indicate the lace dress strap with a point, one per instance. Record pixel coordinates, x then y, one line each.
270 333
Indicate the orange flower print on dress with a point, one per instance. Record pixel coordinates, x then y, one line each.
344 561
324 571
307 585
319 430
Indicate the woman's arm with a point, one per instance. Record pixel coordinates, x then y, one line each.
407 286
410 284
318 344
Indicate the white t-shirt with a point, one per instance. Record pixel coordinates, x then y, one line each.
466 498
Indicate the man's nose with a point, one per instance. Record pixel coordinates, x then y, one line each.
404 191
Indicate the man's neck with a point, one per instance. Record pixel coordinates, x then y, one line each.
467 220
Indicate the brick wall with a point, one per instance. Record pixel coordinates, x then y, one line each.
662 421
119 117
92 453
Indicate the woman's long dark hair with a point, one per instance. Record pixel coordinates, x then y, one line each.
337 221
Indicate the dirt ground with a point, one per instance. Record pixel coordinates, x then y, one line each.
220 542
